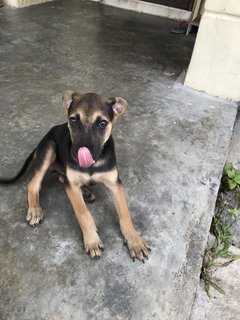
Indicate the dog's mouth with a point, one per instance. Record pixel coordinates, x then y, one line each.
85 158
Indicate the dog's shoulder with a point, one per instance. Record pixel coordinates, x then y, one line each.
59 131
59 134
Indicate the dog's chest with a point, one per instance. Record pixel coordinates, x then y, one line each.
81 179
78 178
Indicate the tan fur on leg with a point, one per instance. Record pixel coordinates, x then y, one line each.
138 247
92 242
35 214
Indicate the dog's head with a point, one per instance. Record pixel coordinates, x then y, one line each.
90 121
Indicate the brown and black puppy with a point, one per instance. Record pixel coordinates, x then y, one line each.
82 152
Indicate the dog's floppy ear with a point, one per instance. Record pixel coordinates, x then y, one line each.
67 99
119 105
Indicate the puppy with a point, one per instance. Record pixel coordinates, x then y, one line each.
82 152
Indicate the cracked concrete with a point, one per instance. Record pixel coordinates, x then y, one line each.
171 146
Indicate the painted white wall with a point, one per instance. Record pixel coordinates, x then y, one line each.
23 3
215 63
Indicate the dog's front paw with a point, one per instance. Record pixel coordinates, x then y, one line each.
34 215
93 244
138 248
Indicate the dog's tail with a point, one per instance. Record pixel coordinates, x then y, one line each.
25 167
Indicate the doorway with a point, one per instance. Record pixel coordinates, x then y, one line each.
180 4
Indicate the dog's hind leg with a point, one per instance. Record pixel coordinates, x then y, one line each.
45 157
88 195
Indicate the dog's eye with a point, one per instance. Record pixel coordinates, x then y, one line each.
73 121
102 124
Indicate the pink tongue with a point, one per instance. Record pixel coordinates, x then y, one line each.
85 158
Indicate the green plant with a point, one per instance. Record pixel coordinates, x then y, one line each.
221 229
233 176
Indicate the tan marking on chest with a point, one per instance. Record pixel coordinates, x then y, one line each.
77 178
80 179
108 178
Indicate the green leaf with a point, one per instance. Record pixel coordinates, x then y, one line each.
219 235
216 287
233 257
230 173
222 253
233 213
228 166
223 265
229 170
232 184
237 177
207 288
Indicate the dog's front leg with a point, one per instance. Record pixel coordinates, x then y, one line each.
92 242
45 156
138 247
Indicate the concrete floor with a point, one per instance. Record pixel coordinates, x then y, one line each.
171 146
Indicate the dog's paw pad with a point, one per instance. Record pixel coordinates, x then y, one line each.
34 216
